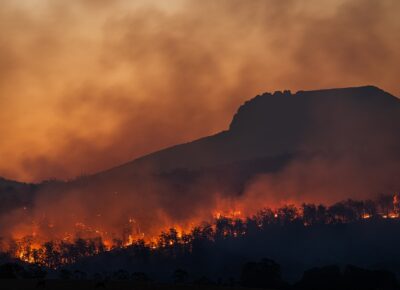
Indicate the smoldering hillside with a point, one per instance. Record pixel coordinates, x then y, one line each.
312 146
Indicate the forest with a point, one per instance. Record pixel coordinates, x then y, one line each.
278 248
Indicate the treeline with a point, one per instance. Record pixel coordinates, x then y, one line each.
221 231
52 254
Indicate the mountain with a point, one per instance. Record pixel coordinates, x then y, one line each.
15 194
319 146
322 145
279 124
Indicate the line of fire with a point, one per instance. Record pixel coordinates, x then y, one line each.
225 224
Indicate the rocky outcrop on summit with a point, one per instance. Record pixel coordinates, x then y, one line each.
319 146
334 121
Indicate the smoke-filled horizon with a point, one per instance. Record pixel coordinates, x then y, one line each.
87 85
303 153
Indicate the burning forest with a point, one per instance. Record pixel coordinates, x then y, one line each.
298 191
87 241
149 144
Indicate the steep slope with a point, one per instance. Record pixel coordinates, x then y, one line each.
271 125
15 194
320 145
311 146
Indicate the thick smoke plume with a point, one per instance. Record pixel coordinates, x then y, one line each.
86 85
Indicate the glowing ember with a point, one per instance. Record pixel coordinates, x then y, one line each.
366 216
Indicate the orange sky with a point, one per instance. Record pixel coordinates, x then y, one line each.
86 85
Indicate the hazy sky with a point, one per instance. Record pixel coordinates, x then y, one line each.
86 85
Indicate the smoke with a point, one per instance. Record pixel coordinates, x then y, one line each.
88 85
348 149
321 180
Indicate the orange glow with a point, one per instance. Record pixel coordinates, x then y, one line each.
366 216
29 242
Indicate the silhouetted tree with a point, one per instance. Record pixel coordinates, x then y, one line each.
309 214
385 203
370 208
239 228
356 207
223 227
168 239
252 227
287 214
52 256
265 217
322 214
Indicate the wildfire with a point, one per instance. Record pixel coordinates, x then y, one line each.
30 252
38 248
233 214
366 216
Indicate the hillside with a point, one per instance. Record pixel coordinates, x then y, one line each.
270 125
311 146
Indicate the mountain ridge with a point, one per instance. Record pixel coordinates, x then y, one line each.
157 161
319 146
160 161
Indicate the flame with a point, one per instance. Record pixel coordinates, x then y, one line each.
366 216
31 243
233 214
